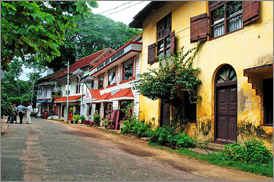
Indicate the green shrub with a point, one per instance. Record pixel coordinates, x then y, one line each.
135 127
162 135
253 151
96 118
75 118
33 114
165 135
183 140
82 118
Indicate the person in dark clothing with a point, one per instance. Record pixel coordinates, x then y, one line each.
21 109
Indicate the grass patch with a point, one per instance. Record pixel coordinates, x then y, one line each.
218 159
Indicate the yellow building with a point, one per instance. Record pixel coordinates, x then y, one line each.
236 62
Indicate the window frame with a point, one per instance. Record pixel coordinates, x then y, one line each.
77 85
123 64
164 35
215 6
103 74
115 70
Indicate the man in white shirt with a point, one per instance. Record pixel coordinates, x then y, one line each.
29 109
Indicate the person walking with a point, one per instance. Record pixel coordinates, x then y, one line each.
29 109
20 109
14 119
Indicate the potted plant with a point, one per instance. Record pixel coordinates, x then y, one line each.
71 109
105 122
82 118
75 118
97 119
91 123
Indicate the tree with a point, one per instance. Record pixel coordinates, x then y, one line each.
37 28
174 76
99 32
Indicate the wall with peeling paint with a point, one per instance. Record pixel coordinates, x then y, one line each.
249 47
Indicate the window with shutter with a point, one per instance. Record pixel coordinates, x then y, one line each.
225 18
151 53
250 11
165 38
198 28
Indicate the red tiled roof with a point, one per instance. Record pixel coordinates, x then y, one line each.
123 93
95 93
105 96
84 62
71 98
106 57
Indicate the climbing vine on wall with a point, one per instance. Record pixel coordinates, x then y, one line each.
175 75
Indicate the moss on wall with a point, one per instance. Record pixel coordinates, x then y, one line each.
248 130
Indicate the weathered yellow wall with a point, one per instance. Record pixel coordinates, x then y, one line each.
246 48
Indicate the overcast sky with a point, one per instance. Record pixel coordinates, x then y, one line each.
122 11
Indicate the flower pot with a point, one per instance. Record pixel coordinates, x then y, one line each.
91 123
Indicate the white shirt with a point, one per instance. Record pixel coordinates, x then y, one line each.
30 108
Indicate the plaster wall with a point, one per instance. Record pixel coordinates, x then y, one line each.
246 48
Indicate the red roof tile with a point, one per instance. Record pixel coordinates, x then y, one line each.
95 93
71 98
123 93
85 61
106 57
105 96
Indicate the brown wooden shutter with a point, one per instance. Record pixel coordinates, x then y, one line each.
151 53
198 28
250 11
172 42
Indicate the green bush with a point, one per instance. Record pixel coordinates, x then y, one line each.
162 135
253 151
139 128
75 118
96 118
33 114
82 118
165 135
183 140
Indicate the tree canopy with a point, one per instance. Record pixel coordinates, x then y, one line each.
37 28
92 34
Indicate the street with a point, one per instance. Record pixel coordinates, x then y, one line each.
53 151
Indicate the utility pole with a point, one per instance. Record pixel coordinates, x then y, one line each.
68 93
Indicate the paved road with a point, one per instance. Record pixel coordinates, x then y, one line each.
49 151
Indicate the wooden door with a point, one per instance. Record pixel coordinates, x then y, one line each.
165 114
226 105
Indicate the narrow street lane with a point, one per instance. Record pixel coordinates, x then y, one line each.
48 150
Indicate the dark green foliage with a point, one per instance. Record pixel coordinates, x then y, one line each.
33 114
6 106
37 28
97 118
139 128
175 76
253 151
165 135
162 135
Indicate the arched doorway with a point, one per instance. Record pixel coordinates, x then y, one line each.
226 105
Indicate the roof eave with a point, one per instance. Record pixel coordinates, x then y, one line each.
139 18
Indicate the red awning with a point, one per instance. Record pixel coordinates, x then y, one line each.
105 96
123 94
71 98
95 93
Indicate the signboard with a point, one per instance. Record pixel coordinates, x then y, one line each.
56 94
